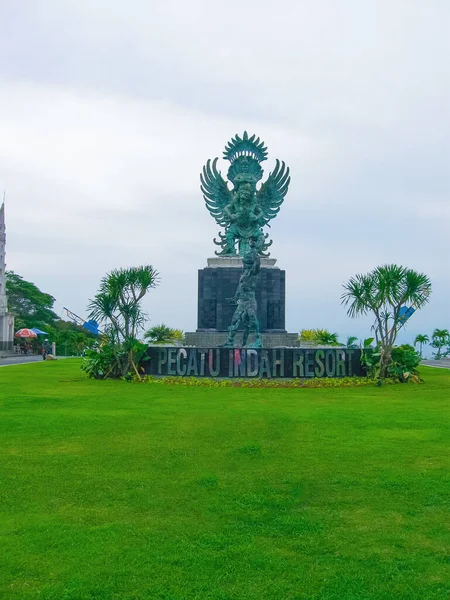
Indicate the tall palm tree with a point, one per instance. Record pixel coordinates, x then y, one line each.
159 334
383 292
440 339
421 340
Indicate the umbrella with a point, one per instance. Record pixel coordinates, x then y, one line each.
26 333
38 331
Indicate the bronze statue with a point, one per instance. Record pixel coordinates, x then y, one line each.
244 210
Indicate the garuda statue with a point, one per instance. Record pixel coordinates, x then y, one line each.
244 210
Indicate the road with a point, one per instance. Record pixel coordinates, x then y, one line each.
19 360
444 363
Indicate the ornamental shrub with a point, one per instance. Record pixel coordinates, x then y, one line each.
405 360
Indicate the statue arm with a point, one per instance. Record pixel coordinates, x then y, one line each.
228 210
259 214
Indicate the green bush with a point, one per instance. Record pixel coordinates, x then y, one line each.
112 360
99 363
320 337
405 361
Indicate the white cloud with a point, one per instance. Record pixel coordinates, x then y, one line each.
109 110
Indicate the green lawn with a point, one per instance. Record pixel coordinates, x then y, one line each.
121 491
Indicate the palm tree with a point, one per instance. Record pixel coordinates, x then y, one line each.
307 335
319 336
118 305
384 292
421 339
440 339
159 334
323 336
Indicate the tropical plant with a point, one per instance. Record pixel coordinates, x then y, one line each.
405 360
371 357
439 340
117 306
325 338
351 342
103 362
421 340
162 334
384 292
319 337
178 335
307 335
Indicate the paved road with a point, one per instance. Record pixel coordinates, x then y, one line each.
6 361
19 360
444 363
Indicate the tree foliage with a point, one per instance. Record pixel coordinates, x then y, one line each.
319 337
439 340
403 366
118 307
421 340
383 292
71 339
352 342
161 334
30 306
33 308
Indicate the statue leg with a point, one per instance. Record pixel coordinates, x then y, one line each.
230 248
254 323
246 333
233 328
243 246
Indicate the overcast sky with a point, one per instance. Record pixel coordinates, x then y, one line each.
109 109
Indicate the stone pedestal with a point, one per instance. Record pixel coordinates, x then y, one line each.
214 339
217 283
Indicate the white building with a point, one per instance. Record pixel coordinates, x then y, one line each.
6 318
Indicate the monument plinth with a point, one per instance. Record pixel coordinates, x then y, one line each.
217 284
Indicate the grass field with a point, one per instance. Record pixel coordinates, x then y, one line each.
124 491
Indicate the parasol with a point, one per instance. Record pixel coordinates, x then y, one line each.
25 333
38 331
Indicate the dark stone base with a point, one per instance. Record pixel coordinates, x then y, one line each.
214 339
216 285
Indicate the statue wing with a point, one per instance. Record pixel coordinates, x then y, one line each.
215 192
271 195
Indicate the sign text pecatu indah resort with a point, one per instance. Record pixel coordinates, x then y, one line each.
254 362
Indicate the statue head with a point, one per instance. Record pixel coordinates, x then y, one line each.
245 193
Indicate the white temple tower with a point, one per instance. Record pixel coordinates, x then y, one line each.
6 318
